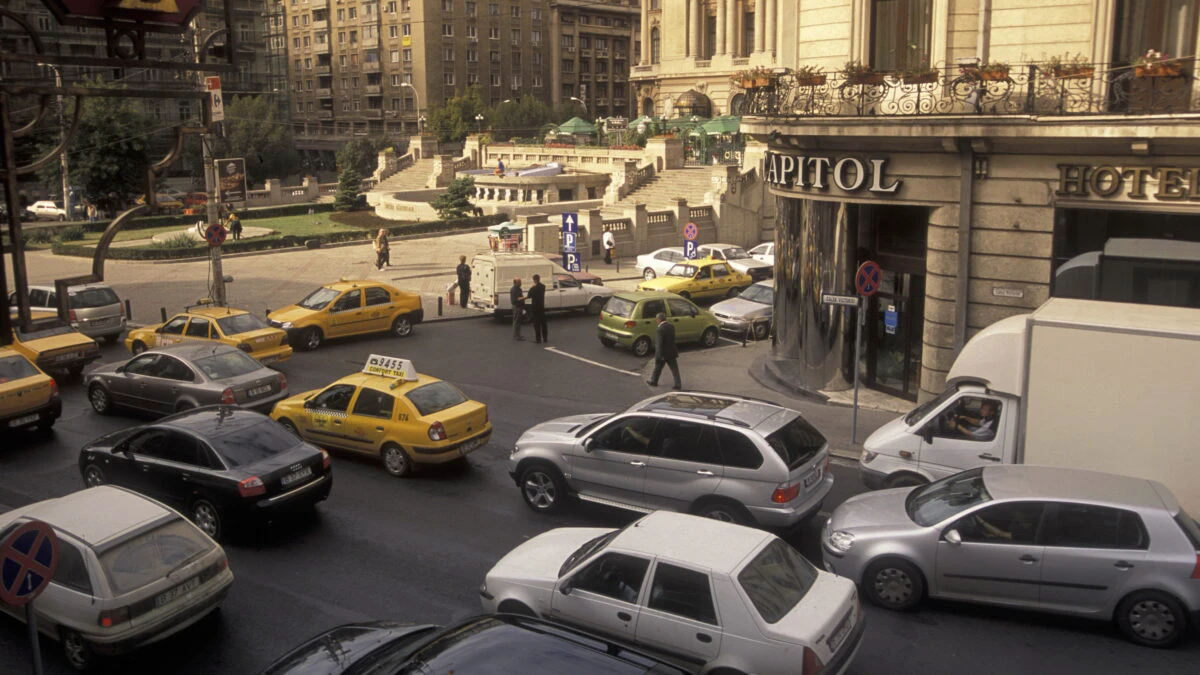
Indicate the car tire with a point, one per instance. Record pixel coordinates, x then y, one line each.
762 329
137 347
287 424
893 584
649 274
725 511
543 488
396 461
62 219
184 406
607 342
903 480
685 295
710 336
100 400
733 292
76 651
642 346
595 305
402 326
206 517
1152 619
311 338
93 476
516 607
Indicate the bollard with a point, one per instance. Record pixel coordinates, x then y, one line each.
163 312
618 261
128 310
439 305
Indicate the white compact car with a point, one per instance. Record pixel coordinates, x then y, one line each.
48 210
700 593
657 263
130 572
764 252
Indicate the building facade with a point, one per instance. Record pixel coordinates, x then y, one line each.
591 50
979 148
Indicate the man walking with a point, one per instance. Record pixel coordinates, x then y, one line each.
518 306
609 241
537 303
665 352
463 271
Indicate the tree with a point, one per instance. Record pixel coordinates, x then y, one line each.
455 202
254 130
454 119
349 186
359 154
522 118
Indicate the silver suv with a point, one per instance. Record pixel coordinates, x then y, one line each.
726 457
96 311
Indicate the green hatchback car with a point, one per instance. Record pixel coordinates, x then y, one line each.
628 320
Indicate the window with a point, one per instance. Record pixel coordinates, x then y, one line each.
901 34
447 5
495 79
393 31
174 326
515 35
651 308
585 42
335 398
776 580
198 328
472 78
535 13
719 271
737 450
537 81
395 57
537 58
568 66
470 9
408 55
655 45
171 368
448 79
685 441
1090 526
373 403
406 28
353 13
473 55
448 54
628 434
72 570
447 30
149 442
436 397
516 81
378 296
494 56
613 575
493 33
472 33
1007 523
682 592
493 9
971 418
567 41
535 37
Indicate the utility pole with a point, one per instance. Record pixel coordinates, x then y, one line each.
210 181
62 127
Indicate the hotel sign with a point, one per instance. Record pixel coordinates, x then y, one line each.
1143 183
849 174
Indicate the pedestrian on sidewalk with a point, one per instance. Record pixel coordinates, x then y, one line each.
383 253
463 271
610 244
665 352
235 226
537 303
500 168
518 306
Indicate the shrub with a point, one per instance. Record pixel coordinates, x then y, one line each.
175 241
71 233
39 235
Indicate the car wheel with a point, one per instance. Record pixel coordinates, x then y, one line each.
183 406
1152 619
76 650
515 607
595 305
902 480
62 219
137 347
726 512
311 338
893 584
207 518
648 274
685 295
710 336
402 327
99 399
396 461
761 330
287 424
607 342
93 476
642 346
543 488
733 292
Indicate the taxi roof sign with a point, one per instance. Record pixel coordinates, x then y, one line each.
390 366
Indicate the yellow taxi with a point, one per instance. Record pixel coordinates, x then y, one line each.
349 307
701 278
390 410
28 397
234 327
53 345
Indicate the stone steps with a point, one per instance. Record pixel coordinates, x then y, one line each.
659 192
410 178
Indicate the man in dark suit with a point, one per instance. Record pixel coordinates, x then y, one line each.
463 272
665 352
537 305
517 296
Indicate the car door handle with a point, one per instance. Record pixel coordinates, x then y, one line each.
1123 565
1027 558
705 472
185 476
624 616
989 457
637 464
378 428
704 637
145 468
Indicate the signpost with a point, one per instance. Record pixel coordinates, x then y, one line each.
28 560
866 281
690 232
570 242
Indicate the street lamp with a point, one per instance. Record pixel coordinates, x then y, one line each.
62 127
417 98
479 122
421 124
576 98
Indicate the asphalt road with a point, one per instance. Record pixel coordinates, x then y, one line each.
416 549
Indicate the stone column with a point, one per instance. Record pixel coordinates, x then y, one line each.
645 34
695 9
722 14
731 24
760 16
772 9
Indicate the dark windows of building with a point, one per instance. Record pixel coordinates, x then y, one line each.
655 45
901 34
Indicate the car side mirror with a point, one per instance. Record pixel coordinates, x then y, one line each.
927 433
120 369
309 404
953 537
566 588
588 443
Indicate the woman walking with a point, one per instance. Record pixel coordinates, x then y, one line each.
382 250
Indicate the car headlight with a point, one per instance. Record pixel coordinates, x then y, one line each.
483 591
286 325
868 456
840 541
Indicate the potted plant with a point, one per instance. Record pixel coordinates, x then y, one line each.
1157 64
743 79
809 76
1068 67
994 71
858 72
920 75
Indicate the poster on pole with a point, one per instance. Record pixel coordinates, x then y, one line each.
216 101
231 180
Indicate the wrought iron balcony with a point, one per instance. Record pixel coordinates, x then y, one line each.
1025 89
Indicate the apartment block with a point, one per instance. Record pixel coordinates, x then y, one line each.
591 51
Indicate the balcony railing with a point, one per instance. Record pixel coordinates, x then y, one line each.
1025 89
374 89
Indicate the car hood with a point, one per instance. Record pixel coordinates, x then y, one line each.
893 437
559 429
292 313
665 283
740 307
748 263
883 509
537 561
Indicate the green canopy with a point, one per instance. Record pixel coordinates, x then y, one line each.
644 119
577 125
725 124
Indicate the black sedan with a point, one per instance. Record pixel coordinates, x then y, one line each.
217 464
500 643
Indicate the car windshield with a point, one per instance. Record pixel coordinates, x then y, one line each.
15 367
584 552
618 306
796 442
436 397
254 443
241 323
946 498
682 270
757 293
231 363
776 580
918 413
88 298
319 298
735 253
592 425
148 557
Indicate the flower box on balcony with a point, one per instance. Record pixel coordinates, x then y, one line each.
1073 72
865 78
1164 69
746 83
985 73
921 78
811 81
762 82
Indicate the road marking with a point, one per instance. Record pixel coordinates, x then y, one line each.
594 363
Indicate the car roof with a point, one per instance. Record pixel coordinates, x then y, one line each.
213 420
195 350
719 246
389 385
347 284
638 296
737 410
672 535
1047 482
214 312
97 514
70 289
678 249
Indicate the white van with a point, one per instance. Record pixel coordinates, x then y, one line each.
492 276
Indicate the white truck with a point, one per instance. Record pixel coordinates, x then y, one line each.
1078 383
492 276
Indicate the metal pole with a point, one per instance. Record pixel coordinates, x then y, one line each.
66 181
35 649
859 309
19 273
210 181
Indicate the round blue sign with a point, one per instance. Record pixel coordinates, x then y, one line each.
28 560
690 231
868 278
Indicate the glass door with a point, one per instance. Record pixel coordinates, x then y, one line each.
892 339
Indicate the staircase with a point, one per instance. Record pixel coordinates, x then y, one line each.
658 192
409 178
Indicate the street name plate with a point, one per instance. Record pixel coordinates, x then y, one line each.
847 300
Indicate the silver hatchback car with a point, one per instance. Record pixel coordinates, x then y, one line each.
1058 540
727 457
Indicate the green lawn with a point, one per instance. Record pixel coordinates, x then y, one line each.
298 226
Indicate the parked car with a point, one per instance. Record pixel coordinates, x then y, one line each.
702 278
53 345
486 644
581 277
47 210
346 308
22 214
216 325
749 312
218 464
657 263
130 572
95 309
739 259
722 456
185 376
717 596
169 202
1058 540
28 397
628 320
390 411
764 252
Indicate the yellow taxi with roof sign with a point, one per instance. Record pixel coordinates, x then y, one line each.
234 327
54 345
700 278
349 307
28 397
390 410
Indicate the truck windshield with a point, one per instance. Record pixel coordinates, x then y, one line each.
918 413
946 498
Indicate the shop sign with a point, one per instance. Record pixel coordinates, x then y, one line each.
849 174
1159 183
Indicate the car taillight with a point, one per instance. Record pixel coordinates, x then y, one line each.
325 461
282 382
812 663
245 347
114 617
222 563
252 486
785 493
227 396
437 432
631 324
53 389
1196 569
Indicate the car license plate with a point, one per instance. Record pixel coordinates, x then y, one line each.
22 421
297 476
840 633
177 592
102 323
812 478
259 391
470 445
68 357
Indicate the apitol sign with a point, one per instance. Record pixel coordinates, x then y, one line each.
849 174
1161 183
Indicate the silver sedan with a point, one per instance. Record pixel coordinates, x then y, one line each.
182 376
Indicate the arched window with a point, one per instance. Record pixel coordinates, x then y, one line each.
655 45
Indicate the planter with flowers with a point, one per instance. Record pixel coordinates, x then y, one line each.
754 78
990 72
858 72
1157 64
809 76
1069 67
920 75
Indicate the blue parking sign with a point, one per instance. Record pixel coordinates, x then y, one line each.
569 241
570 222
571 262
689 249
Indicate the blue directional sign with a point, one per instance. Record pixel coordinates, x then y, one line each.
571 262
891 320
570 222
689 249
569 241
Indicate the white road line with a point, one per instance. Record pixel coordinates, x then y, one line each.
594 363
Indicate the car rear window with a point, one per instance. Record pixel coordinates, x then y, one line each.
796 442
226 364
89 298
253 443
41 331
618 306
15 368
151 556
776 580
241 323
435 397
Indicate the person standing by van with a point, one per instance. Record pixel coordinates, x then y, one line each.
382 250
463 272
609 241
537 304
518 306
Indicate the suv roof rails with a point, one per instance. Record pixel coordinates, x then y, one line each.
737 396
